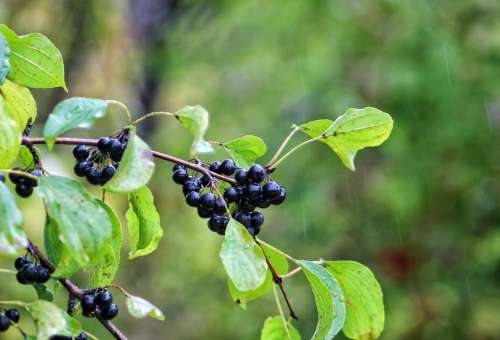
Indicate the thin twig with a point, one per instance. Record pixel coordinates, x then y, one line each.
124 107
151 114
282 146
275 164
157 154
280 311
291 273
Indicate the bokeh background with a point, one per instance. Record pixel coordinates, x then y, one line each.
422 211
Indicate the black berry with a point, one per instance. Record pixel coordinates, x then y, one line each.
253 191
88 305
2 177
107 172
204 213
82 336
178 167
4 323
24 190
180 176
205 180
20 278
218 224
43 275
231 195
227 167
193 198
241 176
207 201
20 262
220 206
190 186
81 152
271 190
104 298
281 198
215 167
82 168
256 173
109 312
257 219
13 315
116 150
244 218
103 144
94 176
246 205
29 273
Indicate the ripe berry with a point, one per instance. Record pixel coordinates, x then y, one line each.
103 144
32 181
13 315
220 206
20 278
256 173
190 186
227 167
109 312
207 201
271 190
241 176
82 336
4 323
231 195
20 262
81 152
88 305
116 150
204 213
106 173
178 167
263 203
278 200
94 176
215 167
246 205
104 298
2 177
257 219
43 275
253 191
24 190
29 273
14 178
253 231
244 218
82 168
193 198
180 176
240 189
218 224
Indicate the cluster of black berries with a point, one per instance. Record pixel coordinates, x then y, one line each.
30 273
101 300
249 192
25 184
11 315
99 164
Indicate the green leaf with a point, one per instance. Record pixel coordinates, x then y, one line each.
279 262
195 120
274 329
4 58
73 113
329 300
57 252
105 271
12 237
83 225
242 258
34 60
10 136
140 308
20 101
356 129
51 320
143 221
365 306
43 292
245 150
136 167
25 157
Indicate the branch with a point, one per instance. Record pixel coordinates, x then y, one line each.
157 154
74 290
279 281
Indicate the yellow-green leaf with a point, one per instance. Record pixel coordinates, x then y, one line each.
10 136
13 240
4 58
195 119
245 150
21 103
274 329
51 320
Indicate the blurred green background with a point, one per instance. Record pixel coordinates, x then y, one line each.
422 210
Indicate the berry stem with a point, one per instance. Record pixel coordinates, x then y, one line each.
291 273
124 107
7 271
14 303
18 172
275 164
280 310
258 240
157 154
282 146
152 114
